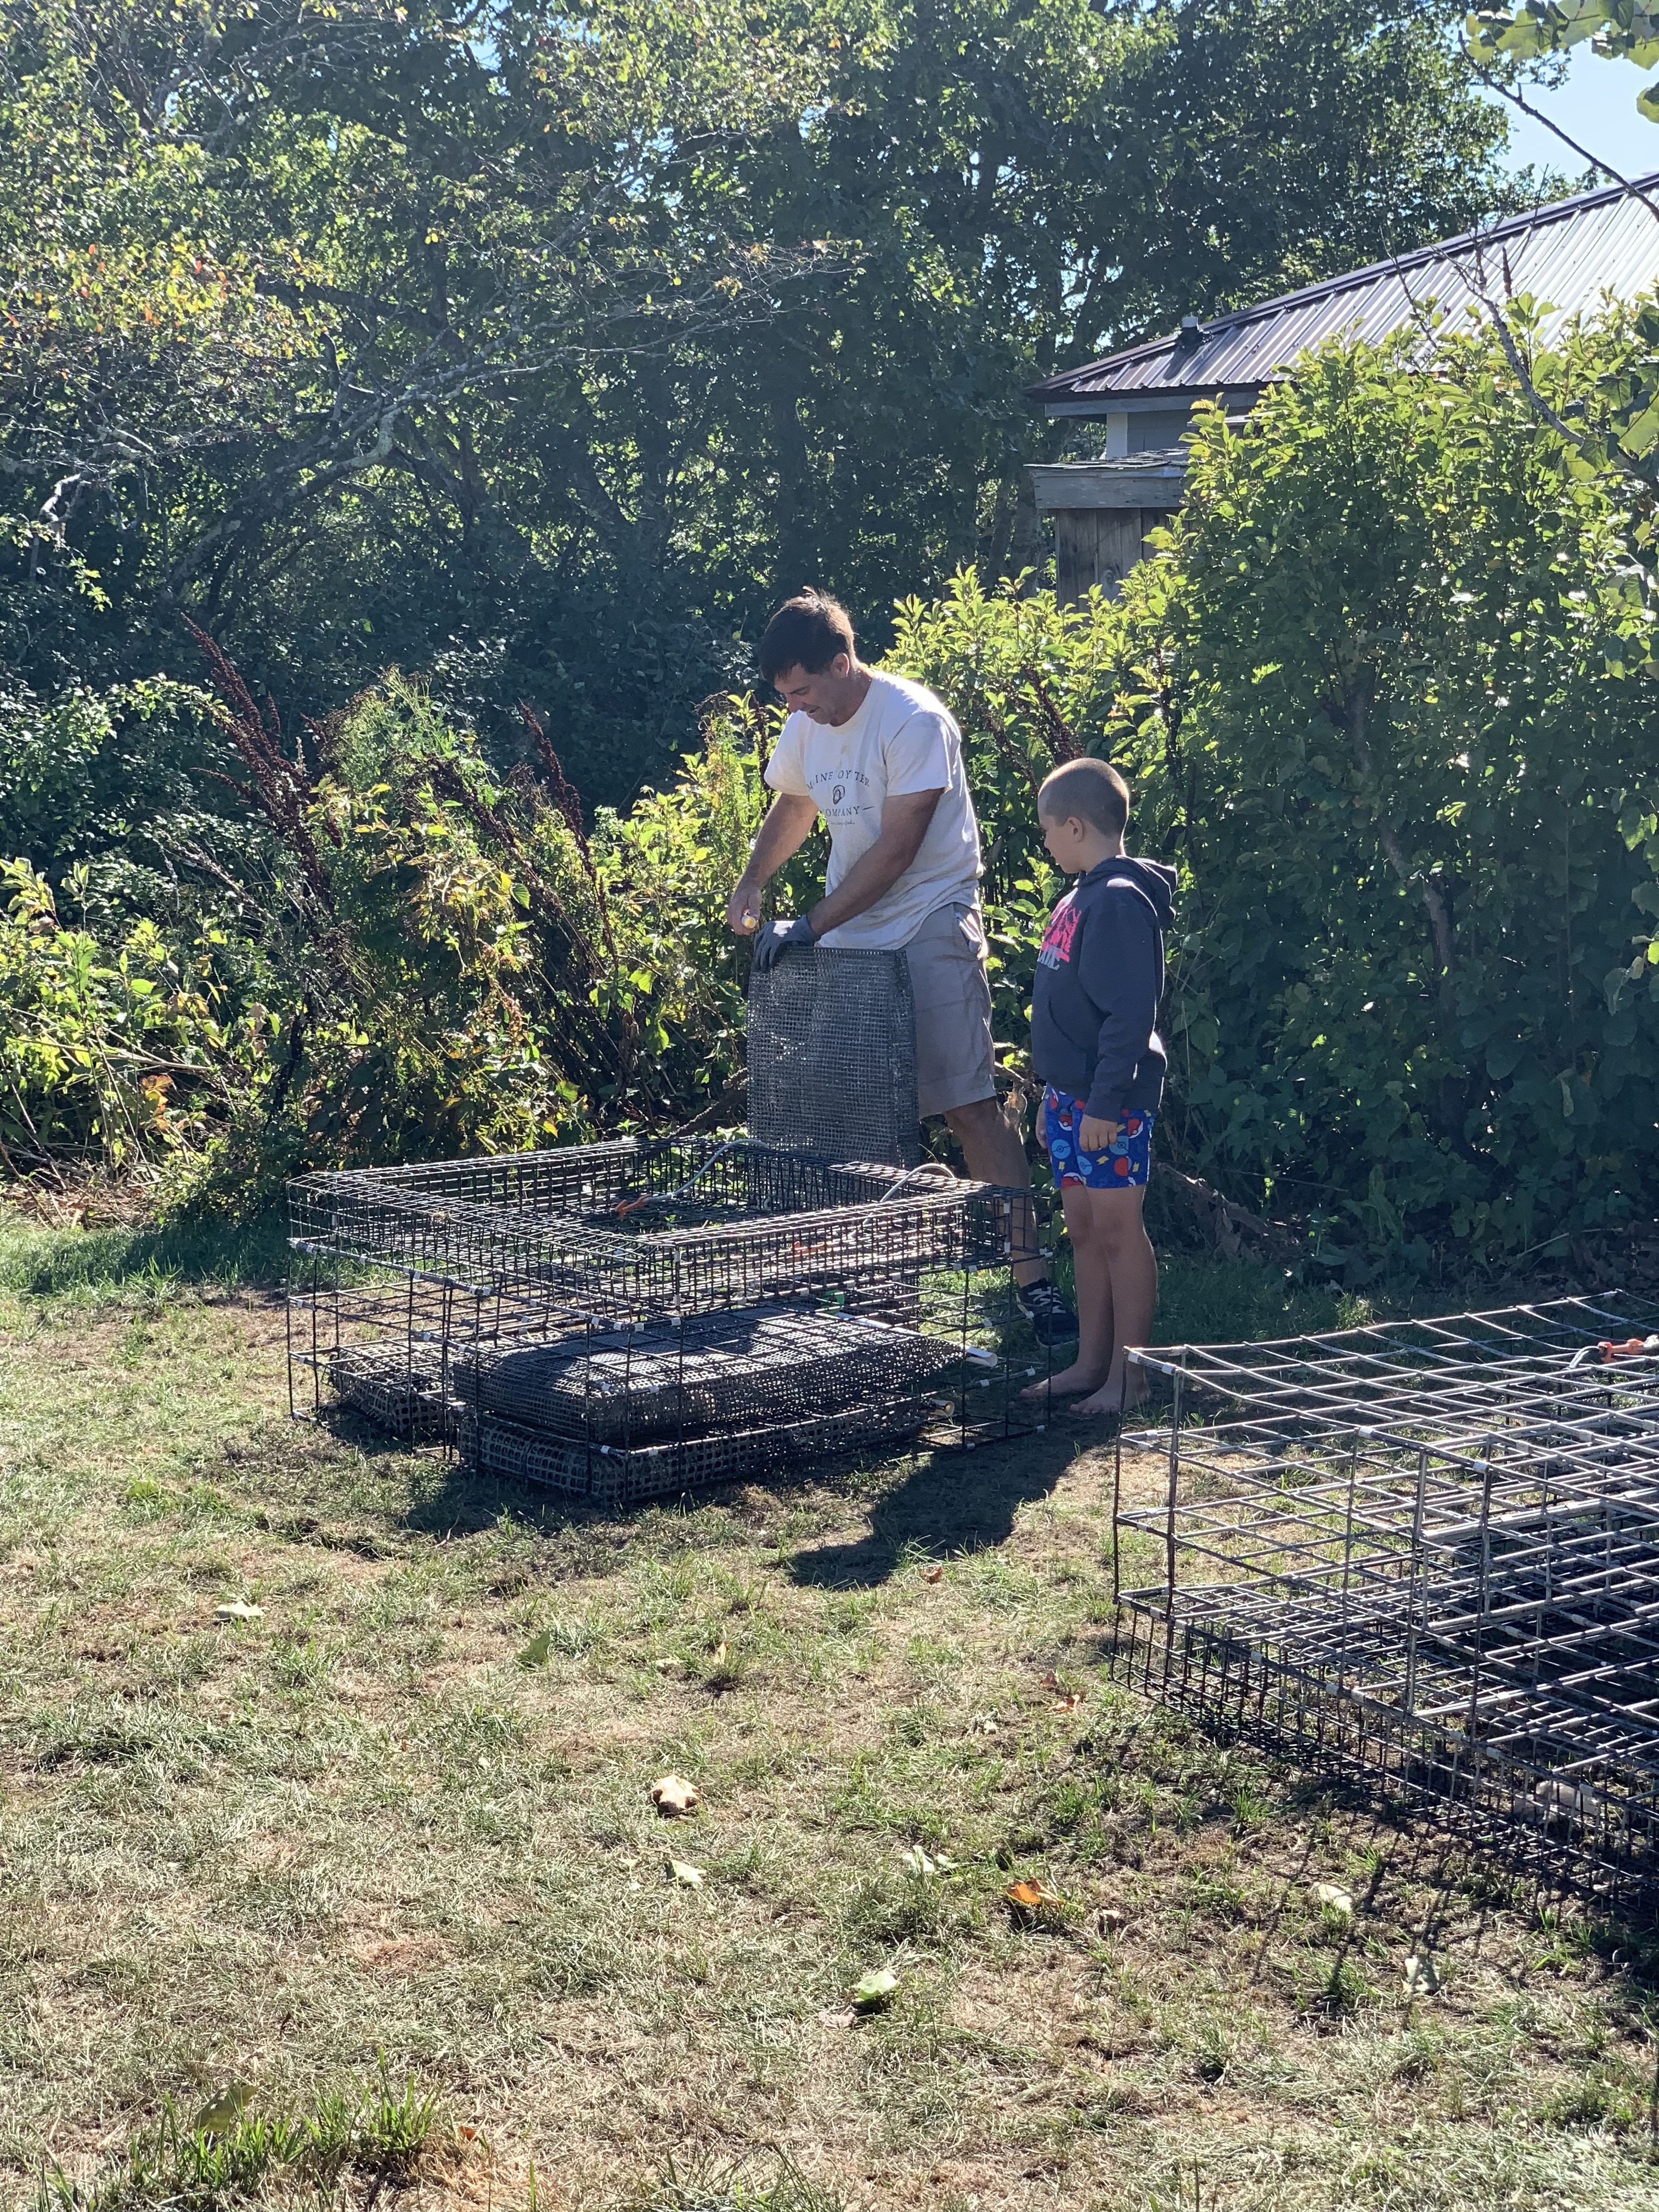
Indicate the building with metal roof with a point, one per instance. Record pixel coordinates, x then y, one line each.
1571 256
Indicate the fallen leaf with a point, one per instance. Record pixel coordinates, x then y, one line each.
1421 1980
1030 1898
537 1652
1050 1681
1333 1899
224 2111
467 2134
1110 1921
239 1609
720 1654
875 1989
933 1574
690 1876
982 1725
674 1796
1069 1705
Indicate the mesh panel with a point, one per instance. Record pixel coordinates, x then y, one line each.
618 1474
667 1378
404 1396
832 1055
691 1308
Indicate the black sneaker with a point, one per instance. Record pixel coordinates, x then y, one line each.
1052 1320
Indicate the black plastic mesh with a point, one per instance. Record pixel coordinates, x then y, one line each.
832 1056
618 1474
676 1378
404 1395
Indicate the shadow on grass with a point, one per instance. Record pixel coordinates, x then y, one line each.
949 1501
37 1261
941 1503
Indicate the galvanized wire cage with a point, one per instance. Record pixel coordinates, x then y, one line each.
1427 1553
619 1320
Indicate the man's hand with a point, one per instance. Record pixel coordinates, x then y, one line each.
1094 1136
743 909
769 946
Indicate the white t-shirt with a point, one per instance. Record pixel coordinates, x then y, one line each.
901 739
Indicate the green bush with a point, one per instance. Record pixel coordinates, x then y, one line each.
1393 684
421 960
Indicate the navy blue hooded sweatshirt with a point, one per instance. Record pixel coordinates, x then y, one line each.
1099 978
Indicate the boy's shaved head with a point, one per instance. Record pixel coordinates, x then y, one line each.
1089 791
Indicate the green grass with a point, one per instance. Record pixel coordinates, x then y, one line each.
109 1261
358 1842
230 2152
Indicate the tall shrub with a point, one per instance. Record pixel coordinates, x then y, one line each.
1390 696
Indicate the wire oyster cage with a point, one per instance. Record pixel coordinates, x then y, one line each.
1424 1555
620 1319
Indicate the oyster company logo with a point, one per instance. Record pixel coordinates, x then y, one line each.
842 782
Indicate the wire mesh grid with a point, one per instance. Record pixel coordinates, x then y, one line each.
620 1319
1391 1369
686 1225
1429 1551
832 1055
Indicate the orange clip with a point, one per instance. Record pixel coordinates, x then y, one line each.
630 1205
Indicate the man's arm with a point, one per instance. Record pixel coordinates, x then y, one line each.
903 825
787 826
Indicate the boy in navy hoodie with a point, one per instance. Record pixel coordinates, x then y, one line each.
1095 1047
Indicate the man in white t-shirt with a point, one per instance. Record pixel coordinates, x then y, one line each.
880 758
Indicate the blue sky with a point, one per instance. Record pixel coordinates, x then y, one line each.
1597 105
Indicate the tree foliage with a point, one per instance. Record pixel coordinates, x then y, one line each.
427 361
1620 30
540 351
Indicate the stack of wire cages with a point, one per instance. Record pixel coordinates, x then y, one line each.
1424 1554
625 1320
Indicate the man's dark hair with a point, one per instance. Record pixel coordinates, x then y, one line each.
1090 790
806 632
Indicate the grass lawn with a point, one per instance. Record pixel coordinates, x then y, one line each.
355 1841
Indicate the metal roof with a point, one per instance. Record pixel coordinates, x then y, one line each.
1570 254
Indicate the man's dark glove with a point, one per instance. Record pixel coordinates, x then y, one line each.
769 944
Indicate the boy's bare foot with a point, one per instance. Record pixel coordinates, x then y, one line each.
1066 1384
1121 1393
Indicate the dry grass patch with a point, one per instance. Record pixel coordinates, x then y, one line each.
406 1814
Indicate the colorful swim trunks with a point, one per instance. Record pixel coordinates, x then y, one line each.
1124 1164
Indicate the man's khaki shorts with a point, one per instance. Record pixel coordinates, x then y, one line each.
955 1063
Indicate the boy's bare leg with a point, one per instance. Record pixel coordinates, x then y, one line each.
1131 1266
1092 1366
